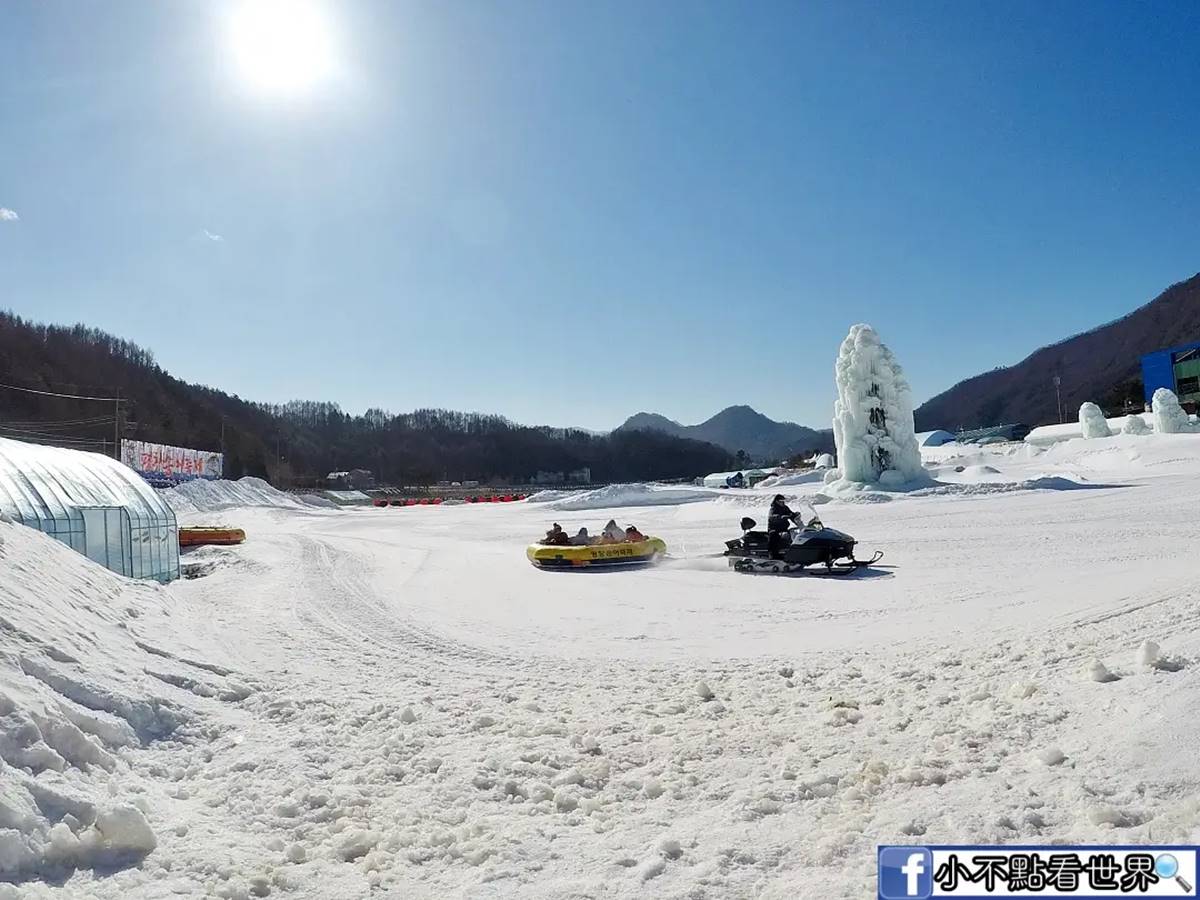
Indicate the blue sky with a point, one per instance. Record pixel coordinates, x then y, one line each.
567 212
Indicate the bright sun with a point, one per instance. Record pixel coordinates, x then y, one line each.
281 46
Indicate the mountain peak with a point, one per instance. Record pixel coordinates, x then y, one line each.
740 427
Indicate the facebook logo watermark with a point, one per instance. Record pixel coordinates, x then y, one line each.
905 873
1094 871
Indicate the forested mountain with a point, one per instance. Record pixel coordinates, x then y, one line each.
1102 365
740 428
300 441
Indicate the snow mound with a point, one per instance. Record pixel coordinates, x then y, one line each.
621 495
78 690
809 476
549 496
211 496
977 489
1135 425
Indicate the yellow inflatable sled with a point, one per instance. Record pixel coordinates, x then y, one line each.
597 556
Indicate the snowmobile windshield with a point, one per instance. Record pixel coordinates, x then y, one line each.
806 517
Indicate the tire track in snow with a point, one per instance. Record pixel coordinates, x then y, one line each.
339 602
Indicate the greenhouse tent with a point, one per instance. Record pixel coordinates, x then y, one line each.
92 504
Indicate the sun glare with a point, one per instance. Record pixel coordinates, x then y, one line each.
281 46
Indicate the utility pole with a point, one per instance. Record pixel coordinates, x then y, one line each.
1058 394
117 426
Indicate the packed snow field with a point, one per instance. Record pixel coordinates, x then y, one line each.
393 702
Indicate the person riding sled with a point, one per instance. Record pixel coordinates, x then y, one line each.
557 537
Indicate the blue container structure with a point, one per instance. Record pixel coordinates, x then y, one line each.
1177 369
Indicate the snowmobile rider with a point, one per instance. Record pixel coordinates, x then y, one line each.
780 517
779 520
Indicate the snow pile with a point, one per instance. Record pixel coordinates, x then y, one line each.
78 692
1092 423
1169 416
550 496
786 478
201 495
615 496
1135 425
873 417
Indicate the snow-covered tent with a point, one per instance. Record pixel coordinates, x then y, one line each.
824 461
725 479
934 438
92 504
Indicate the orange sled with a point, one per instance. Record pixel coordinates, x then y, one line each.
194 537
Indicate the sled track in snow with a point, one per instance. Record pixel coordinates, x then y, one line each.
338 602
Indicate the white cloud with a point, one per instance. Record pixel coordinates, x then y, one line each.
8 215
212 237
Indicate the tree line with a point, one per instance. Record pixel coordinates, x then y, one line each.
301 441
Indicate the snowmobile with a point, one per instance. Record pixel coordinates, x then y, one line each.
779 551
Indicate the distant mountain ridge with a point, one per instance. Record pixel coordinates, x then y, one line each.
739 428
1102 365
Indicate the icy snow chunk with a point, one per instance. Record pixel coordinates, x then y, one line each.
1108 815
356 844
1147 654
124 829
1092 422
703 691
670 848
1097 671
653 869
1022 689
571 776
296 853
1050 756
408 716
565 801
652 788
765 806
64 845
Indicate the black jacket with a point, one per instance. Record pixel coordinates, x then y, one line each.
779 508
780 516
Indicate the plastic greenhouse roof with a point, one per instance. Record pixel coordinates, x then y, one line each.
44 483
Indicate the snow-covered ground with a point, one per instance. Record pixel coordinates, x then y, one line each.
395 698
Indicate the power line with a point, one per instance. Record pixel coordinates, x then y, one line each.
58 424
13 387
56 439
